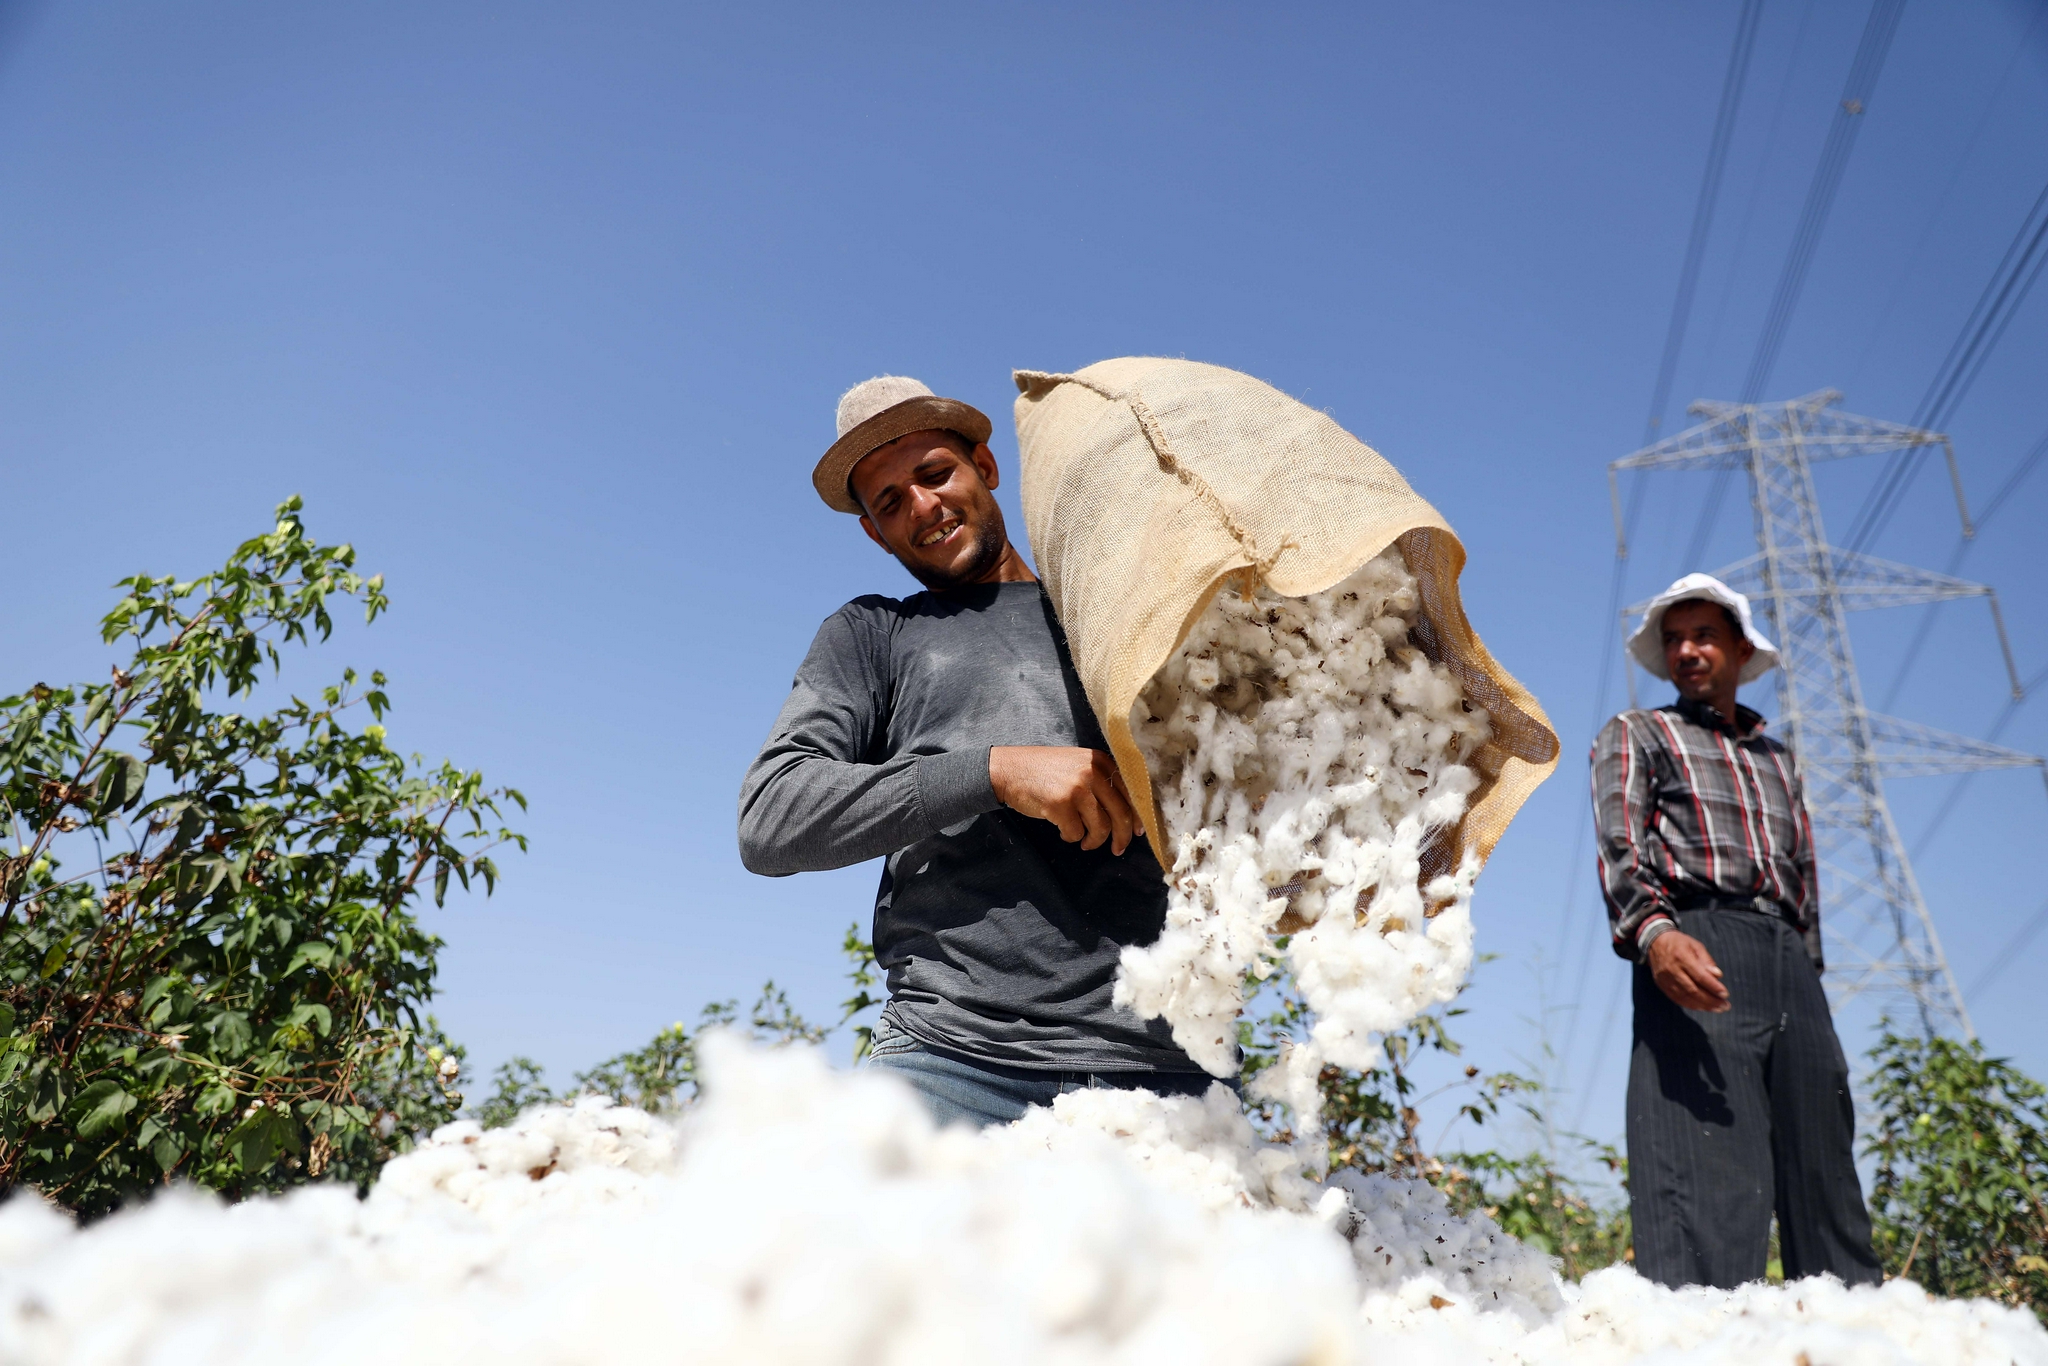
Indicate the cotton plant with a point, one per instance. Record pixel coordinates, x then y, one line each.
1305 756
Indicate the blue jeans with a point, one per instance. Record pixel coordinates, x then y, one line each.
986 1093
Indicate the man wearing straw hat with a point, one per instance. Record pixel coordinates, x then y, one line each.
947 734
1738 1093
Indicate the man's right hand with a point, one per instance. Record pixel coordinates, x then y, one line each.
1078 790
1685 972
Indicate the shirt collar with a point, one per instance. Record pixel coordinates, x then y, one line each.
1748 724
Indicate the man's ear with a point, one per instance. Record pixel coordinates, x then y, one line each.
985 463
873 535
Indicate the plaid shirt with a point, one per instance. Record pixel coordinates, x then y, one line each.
1691 810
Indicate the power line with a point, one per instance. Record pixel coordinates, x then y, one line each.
1962 784
1878 31
1710 513
2018 943
1962 158
2013 948
1609 651
2028 463
1875 45
1756 189
1993 312
1703 210
1733 83
1967 360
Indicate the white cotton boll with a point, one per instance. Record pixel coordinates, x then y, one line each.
1324 756
796 1216
801 1217
30 1225
1616 1316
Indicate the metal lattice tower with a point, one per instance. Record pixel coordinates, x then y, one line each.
1881 940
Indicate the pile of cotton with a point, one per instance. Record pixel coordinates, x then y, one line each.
798 1215
1304 755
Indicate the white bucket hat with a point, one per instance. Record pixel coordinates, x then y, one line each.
1646 646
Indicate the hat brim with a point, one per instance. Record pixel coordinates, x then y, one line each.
925 413
1646 644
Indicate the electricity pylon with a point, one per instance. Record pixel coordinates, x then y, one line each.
1880 939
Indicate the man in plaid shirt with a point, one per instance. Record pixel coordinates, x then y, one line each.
1738 1093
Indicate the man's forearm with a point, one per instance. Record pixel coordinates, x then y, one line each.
803 812
1635 896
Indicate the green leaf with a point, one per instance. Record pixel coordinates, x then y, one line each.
319 955
99 1109
155 994
166 1152
316 1014
6 1018
119 782
46 1092
441 882
216 1100
231 1033
259 1140
53 960
137 777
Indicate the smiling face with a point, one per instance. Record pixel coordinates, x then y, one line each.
1704 650
929 503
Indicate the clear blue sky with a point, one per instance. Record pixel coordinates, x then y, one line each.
545 308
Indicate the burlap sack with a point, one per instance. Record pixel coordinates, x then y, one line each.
1150 484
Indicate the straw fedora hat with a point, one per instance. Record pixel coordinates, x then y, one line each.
877 411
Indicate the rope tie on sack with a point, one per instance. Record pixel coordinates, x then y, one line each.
1155 436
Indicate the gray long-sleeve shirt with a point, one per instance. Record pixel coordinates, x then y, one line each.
1000 940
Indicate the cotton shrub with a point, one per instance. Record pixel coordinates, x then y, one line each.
1961 1147
210 968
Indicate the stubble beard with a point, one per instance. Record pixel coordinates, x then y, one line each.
991 538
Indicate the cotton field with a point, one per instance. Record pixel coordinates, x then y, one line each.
799 1215
1309 764
1304 755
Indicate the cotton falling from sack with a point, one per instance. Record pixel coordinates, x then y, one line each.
1304 755
803 1217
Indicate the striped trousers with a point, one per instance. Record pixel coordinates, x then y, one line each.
1737 1116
